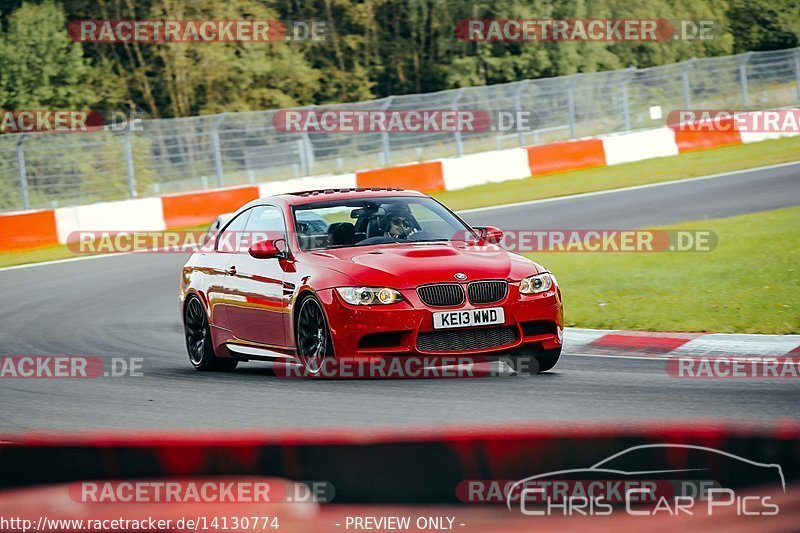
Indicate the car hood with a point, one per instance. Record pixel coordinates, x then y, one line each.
405 266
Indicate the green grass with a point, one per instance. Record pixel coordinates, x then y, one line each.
749 284
641 172
35 256
686 165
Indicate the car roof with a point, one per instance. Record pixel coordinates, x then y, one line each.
305 197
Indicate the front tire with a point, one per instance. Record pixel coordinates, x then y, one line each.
530 361
312 335
547 359
198 339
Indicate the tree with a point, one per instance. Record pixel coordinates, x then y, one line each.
193 78
40 66
374 48
765 24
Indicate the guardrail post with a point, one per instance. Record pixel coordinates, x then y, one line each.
216 151
308 154
743 79
797 70
687 89
23 174
518 110
302 154
626 112
571 106
129 164
457 135
306 150
385 135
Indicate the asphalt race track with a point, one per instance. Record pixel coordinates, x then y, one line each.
126 306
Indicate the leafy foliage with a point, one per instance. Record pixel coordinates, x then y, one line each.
374 48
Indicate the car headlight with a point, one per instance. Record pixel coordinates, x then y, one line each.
369 295
535 284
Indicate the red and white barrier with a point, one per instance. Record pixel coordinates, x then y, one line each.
146 214
663 344
191 209
28 229
758 136
639 145
485 167
565 156
427 176
330 181
36 229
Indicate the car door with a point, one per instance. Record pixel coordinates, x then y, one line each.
226 247
256 305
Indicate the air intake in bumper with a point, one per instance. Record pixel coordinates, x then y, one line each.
466 340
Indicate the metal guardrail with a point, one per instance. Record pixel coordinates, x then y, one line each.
47 170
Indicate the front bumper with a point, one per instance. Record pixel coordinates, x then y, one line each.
536 322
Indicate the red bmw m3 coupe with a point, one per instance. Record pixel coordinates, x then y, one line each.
310 277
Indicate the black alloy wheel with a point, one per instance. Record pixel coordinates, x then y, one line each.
313 341
198 339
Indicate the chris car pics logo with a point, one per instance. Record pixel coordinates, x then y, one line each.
699 481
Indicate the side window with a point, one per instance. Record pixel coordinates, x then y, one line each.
265 223
229 241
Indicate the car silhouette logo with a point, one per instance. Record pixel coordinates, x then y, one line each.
607 467
460 276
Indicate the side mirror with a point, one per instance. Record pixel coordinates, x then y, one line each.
268 249
490 234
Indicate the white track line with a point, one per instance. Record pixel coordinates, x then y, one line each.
478 209
86 257
60 261
643 358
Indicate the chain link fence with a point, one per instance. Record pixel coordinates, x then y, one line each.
47 170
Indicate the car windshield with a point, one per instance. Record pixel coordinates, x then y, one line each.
384 220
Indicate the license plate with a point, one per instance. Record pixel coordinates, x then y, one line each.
468 318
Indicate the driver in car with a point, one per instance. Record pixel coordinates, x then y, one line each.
398 224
